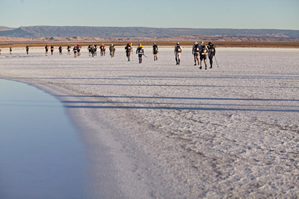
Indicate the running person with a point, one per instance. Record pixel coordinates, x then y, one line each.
155 51
89 50
103 49
75 51
27 49
212 53
0 51
128 49
79 49
203 54
47 49
112 50
195 52
68 50
10 50
177 52
60 50
52 49
95 50
140 52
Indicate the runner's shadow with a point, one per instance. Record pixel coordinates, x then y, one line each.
221 105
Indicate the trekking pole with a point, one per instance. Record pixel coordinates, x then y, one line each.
216 62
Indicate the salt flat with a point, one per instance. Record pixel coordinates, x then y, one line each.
177 131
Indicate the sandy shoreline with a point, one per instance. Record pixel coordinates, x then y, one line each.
172 131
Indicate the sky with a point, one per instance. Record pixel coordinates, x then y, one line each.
235 14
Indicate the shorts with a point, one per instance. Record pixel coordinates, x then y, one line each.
178 55
128 53
155 52
203 57
196 54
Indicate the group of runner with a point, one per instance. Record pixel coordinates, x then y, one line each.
140 52
92 49
52 49
199 51
202 51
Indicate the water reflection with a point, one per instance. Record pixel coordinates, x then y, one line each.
40 153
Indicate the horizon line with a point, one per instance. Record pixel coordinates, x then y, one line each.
151 27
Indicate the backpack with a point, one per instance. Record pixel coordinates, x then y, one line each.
178 49
196 48
203 49
140 50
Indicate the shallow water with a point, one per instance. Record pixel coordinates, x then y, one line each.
40 151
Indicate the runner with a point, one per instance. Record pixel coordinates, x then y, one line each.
10 50
177 52
155 51
60 50
112 50
27 49
212 53
75 51
79 49
195 52
203 54
47 49
52 49
103 49
89 49
95 50
128 49
140 52
68 50
0 51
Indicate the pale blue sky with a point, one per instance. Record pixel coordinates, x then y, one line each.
251 14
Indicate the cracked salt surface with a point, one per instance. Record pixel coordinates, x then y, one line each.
177 131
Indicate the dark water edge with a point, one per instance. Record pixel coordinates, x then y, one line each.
40 151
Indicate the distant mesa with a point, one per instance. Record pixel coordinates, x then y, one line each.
125 32
4 28
37 34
